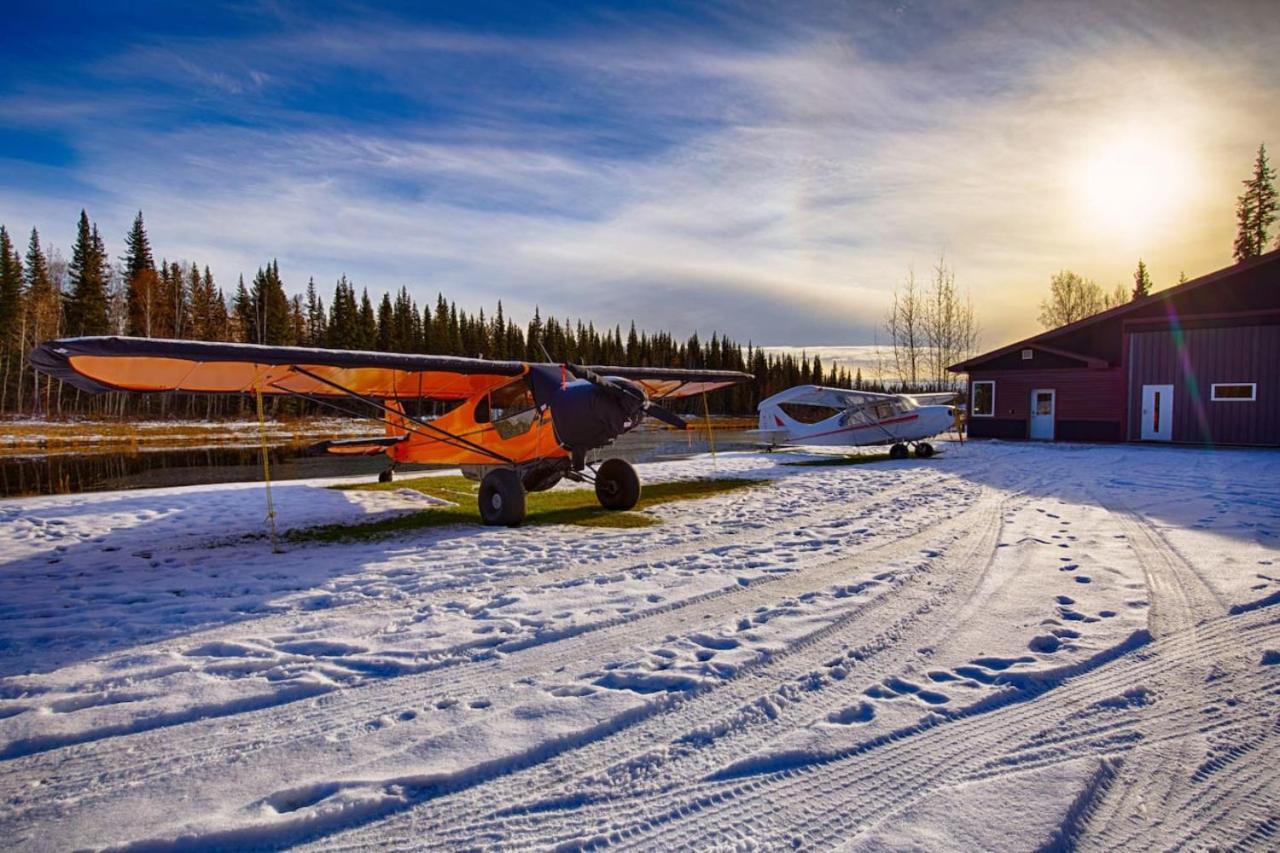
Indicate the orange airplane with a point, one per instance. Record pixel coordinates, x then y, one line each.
520 427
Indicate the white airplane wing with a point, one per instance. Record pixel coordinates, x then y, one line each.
832 398
941 398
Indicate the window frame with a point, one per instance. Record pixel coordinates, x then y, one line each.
1252 398
973 396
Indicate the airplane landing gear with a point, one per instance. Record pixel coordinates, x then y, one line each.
502 498
617 485
924 450
387 475
898 451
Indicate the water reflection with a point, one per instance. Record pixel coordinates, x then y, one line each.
89 472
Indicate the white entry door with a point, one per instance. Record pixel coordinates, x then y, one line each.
1157 412
1042 406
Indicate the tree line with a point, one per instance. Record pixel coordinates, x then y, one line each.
44 296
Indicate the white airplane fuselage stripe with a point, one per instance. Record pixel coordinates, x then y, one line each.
916 425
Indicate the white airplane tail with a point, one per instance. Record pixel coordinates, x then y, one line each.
775 421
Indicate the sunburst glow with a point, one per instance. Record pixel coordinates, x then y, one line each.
1131 182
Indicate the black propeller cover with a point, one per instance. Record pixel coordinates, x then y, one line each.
586 414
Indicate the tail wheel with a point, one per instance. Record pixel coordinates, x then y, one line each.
501 498
924 450
898 451
386 475
617 486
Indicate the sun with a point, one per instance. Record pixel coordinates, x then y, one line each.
1131 182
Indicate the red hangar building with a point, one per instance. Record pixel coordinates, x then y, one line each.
1198 363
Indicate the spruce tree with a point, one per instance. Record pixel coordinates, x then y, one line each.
366 323
244 316
272 312
1256 209
315 316
386 333
1141 281
499 334
140 279
10 291
138 250
43 309
86 309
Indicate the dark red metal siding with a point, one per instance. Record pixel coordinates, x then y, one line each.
1040 360
1088 403
1192 361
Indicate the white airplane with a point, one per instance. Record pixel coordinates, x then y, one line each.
799 416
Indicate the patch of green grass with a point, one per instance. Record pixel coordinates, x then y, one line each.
555 506
860 459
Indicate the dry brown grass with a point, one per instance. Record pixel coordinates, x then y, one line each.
26 438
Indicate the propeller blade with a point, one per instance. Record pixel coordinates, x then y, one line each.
580 372
665 416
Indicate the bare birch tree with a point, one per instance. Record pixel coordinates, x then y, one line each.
950 330
930 329
1073 297
905 325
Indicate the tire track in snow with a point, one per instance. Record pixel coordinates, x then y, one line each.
868 784
111 765
659 558
481 649
1180 601
749 707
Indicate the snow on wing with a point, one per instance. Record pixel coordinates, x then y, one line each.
149 364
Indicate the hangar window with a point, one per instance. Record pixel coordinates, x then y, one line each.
1028 354
1241 392
983 404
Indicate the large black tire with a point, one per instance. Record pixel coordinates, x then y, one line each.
501 498
924 450
898 451
617 486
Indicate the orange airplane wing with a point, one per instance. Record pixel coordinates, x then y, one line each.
157 365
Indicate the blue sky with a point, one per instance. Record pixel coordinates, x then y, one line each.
771 170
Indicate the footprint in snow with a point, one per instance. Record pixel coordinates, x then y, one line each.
571 691
856 715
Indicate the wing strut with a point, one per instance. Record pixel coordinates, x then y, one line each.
448 436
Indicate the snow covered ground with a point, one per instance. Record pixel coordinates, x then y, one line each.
1005 647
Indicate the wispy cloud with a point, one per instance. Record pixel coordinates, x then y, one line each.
769 175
